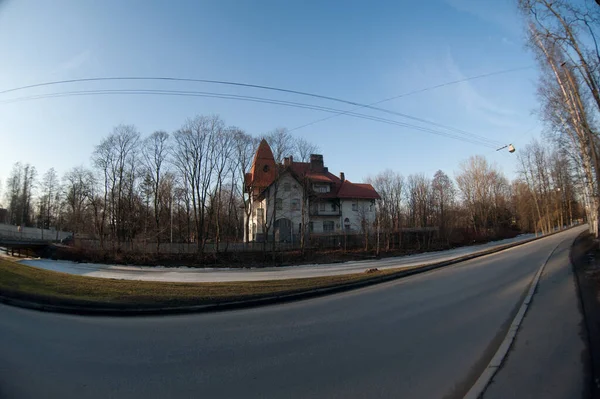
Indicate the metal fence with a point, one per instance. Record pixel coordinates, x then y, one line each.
315 241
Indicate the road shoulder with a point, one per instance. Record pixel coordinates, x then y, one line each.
549 357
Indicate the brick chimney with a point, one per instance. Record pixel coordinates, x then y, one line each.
287 161
316 162
342 177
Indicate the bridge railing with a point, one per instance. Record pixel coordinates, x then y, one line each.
11 232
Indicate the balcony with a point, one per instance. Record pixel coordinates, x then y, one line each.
327 212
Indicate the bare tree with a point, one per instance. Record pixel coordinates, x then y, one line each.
281 143
245 147
420 200
569 69
194 155
13 187
562 23
303 149
49 198
443 192
155 152
21 183
224 148
115 157
78 186
390 186
483 191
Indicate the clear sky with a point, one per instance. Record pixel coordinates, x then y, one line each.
363 51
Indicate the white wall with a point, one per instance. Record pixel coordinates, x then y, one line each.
364 210
318 223
279 192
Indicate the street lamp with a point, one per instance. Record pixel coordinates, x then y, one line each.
511 148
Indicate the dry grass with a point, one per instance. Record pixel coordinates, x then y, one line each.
17 280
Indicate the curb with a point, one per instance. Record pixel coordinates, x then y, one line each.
28 302
479 387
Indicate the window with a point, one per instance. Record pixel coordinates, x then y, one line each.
321 188
371 207
321 206
279 204
328 226
347 224
311 227
333 207
287 187
259 214
295 204
355 206
266 168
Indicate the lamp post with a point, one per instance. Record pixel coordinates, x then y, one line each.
172 199
559 192
511 148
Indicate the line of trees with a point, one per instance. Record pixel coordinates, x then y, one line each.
185 186
188 187
481 201
563 35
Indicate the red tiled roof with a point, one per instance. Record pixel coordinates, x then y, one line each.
339 189
357 190
263 169
319 178
264 172
303 169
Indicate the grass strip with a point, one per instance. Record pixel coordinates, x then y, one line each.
26 282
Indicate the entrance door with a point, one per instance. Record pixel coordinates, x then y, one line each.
283 230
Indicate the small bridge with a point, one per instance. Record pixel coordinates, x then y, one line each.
17 240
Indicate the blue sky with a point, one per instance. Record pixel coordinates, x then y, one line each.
356 50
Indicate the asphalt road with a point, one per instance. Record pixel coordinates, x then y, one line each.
187 274
550 357
425 336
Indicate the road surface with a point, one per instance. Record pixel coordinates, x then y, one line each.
561 349
195 275
425 336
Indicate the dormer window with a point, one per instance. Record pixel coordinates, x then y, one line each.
321 188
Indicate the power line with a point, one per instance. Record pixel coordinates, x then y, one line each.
244 98
238 97
230 83
417 92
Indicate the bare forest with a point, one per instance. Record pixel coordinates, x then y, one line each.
563 36
163 192
167 191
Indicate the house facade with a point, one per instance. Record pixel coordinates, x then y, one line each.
294 198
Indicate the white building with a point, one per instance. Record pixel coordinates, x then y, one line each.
296 197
